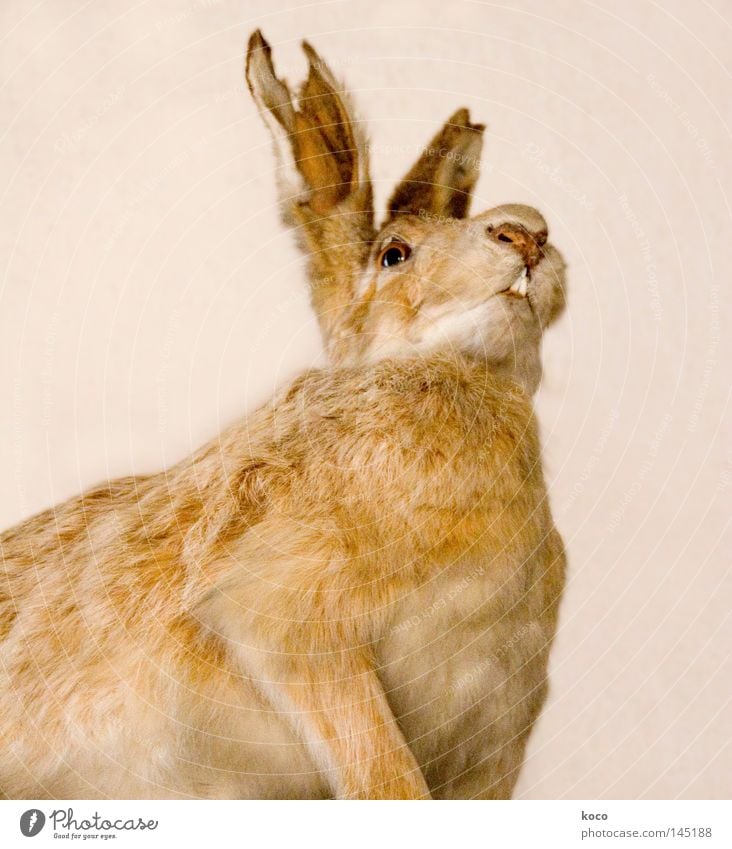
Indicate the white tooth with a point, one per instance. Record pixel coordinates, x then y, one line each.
521 286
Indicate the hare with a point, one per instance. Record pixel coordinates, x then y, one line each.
353 592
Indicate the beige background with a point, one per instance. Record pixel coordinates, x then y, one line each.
149 296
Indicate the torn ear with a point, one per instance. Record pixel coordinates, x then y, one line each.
319 135
441 181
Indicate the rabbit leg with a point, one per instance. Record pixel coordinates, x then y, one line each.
338 706
300 625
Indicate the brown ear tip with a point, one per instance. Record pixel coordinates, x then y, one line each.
310 52
257 42
461 118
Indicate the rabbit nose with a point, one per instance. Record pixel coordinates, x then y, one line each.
525 243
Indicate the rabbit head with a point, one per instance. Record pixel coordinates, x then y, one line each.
430 279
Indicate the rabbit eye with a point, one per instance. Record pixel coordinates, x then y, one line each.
394 253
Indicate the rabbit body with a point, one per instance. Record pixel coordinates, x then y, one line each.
353 592
372 501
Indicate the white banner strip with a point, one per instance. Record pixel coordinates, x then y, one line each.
371 825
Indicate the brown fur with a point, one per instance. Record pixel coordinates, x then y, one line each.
442 180
351 593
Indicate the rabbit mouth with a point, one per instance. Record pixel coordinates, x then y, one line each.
520 287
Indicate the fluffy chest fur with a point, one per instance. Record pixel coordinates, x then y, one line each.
397 514
464 666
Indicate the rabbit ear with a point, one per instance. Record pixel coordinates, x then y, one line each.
441 181
318 137
326 147
272 97
323 177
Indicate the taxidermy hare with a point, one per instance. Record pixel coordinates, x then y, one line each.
353 592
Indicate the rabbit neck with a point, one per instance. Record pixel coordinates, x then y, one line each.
522 367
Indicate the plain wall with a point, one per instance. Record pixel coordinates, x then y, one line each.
150 296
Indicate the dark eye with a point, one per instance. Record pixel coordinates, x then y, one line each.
394 253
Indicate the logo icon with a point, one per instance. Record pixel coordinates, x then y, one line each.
31 822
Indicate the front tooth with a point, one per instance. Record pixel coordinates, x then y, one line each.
521 286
